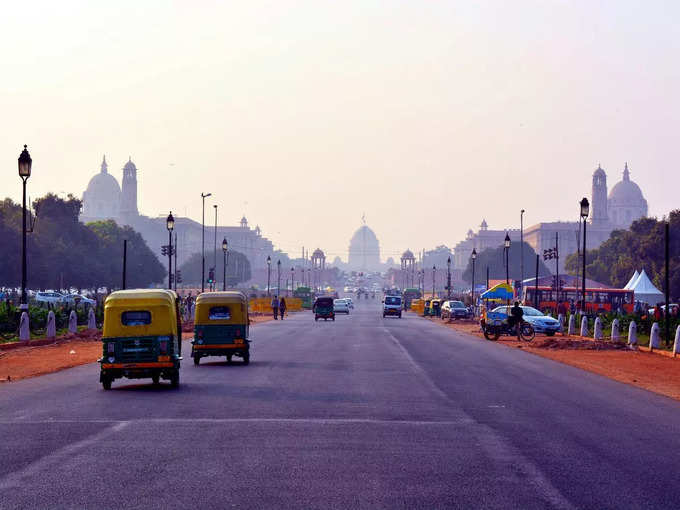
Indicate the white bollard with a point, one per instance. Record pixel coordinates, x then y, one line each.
616 336
51 326
632 334
73 322
91 320
676 345
572 325
597 330
193 311
24 329
560 318
584 326
654 338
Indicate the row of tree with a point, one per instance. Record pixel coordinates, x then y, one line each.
640 247
63 253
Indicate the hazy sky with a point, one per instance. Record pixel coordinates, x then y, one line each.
425 115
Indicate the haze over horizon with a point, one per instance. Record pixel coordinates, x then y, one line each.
427 117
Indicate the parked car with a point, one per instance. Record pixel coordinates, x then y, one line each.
455 310
341 306
49 297
540 322
78 299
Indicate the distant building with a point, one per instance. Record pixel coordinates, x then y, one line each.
624 204
104 200
364 251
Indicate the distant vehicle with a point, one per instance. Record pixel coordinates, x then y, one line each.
392 306
672 306
409 295
78 299
323 308
347 289
341 306
597 300
350 302
540 322
455 310
305 294
49 297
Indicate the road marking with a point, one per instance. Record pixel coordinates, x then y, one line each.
55 461
319 421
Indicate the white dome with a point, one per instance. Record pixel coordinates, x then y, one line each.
101 199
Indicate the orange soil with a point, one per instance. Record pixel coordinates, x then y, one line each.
655 372
68 351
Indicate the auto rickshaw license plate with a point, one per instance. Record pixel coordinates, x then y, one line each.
163 358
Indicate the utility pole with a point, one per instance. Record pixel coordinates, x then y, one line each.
203 197
521 243
124 263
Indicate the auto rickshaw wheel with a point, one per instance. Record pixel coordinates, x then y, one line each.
156 377
106 383
197 359
229 358
246 358
174 379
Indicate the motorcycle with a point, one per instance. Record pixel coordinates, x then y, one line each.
495 327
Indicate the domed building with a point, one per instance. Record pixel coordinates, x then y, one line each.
364 250
626 202
101 199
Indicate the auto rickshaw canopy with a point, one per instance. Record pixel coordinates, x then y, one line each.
226 307
159 303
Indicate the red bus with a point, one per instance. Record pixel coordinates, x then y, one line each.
597 300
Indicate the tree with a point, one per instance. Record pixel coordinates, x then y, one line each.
494 258
238 269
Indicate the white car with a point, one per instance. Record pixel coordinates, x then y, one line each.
350 302
49 297
341 306
78 299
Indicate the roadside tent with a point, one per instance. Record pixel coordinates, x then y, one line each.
632 280
645 290
501 292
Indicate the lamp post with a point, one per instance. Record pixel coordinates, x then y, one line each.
278 278
225 247
292 280
474 257
269 272
506 247
215 249
521 255
25 163
585 209
203 196
434 272
448 278
170 225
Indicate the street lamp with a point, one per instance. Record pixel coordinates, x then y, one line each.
269 272
448 278
214 286
203 196
585 209
474 257
225 247
434 272
25 163
506 248
521 255
292 280
278 277
170 225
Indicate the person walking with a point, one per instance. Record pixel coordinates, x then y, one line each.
282 307
275 307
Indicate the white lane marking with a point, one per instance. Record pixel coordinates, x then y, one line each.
55 461
319 421
502 452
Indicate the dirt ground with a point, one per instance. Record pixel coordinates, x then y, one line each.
652 371
68 351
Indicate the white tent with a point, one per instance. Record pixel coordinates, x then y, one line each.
630 283
645 290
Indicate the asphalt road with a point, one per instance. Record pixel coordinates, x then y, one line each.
363 412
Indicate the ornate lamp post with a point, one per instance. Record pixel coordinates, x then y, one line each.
585 210
292 280
521 255
474 258
448 278
214 284
225 248
506 248
170 225
269 272
203 197
25 163
434 272
278 277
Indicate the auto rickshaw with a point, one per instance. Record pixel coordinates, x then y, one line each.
436 307
142 336
221 326
426 309
323 308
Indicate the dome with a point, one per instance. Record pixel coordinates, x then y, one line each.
318 254
364 234
626 192
407 255
599 172
364 250
130 165
101 199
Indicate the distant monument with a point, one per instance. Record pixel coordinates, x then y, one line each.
364 250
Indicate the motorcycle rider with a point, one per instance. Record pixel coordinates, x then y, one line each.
515 318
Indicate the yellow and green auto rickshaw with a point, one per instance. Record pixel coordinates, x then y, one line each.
435 307
142 336
426 308
221 326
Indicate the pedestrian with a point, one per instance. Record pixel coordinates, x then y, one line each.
657 312
282 307
275 307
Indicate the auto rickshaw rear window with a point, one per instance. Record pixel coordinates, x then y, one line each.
219 313
136 318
